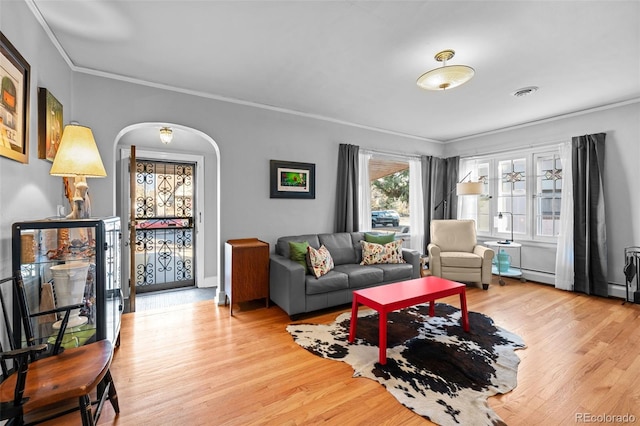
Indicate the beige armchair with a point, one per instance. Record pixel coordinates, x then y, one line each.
454 254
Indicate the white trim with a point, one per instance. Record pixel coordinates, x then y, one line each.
547 120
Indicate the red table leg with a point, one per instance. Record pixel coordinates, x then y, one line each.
463 308
382 340
354 319
432 308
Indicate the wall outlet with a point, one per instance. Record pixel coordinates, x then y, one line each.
61 212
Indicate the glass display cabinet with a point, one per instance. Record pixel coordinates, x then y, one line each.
65 262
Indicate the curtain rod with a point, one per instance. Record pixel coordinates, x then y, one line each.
389 153
552 144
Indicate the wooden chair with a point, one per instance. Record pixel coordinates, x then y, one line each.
34 390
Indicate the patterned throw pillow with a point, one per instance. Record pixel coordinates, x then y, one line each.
373 253
320 261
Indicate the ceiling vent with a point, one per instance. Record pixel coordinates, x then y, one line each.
525 91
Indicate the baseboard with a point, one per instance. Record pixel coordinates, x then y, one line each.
539 276
615 290
209 282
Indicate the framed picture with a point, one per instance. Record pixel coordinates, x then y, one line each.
15 73
49 124
293 180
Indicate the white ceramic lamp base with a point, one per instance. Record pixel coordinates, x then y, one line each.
69 281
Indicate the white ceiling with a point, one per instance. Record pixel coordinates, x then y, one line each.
357 61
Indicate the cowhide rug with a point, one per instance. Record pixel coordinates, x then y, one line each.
433 366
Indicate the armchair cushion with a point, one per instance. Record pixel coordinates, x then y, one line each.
454 235
459 259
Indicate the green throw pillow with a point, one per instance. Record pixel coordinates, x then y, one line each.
298 253
379 238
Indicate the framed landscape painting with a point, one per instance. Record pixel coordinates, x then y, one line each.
292 180
49 124
14 102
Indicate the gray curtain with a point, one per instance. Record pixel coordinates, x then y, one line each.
439 179
347 189
589 233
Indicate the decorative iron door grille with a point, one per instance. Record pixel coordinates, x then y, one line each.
164 225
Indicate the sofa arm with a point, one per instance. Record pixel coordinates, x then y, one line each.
287 284
413 257
487 256
434 260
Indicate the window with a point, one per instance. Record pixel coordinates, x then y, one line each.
548 194
390 192
526 184
389 180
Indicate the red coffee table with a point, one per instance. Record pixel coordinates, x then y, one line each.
391 297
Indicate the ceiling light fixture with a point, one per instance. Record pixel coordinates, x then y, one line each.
447 76
166 135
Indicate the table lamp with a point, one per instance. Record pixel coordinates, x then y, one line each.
78 157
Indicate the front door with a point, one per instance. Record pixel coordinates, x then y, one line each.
164 226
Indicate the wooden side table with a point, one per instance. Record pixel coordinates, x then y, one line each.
246 270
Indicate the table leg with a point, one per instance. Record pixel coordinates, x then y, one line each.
432 308
354 319
463 308
382 340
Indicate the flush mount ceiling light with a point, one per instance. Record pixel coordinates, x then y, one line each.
447 76
166 135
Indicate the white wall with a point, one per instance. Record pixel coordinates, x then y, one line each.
27 192
621 174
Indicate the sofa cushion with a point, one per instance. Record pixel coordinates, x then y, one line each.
361 276
395 271
373 253
356 238
282 245
298 253
379 238
320 261
458 259
332 281
340 247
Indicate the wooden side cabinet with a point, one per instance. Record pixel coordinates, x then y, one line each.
246 270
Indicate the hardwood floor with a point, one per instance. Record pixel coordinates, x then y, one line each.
196 365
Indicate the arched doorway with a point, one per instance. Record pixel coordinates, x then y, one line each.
189 145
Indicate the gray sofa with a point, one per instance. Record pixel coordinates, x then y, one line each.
297 293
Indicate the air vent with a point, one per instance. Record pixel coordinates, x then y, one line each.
525 91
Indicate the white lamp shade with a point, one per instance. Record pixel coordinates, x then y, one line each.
469 188
78 154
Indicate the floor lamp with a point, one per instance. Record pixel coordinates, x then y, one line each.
462 188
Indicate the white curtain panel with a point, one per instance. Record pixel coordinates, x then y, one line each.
564 253
416 205
364 191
